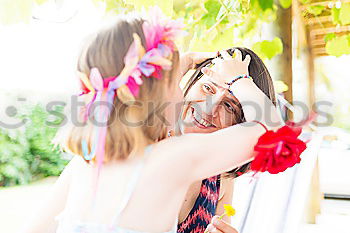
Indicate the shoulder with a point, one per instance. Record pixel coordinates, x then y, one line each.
172 158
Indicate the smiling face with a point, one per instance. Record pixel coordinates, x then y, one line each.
209 106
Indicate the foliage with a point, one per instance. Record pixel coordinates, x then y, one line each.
27 154
315 10
344 14
219 24
338 46
329 36
280 86
268 49
211 24
285 3
335 45
335 15
14 148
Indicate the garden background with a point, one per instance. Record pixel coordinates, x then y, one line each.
305 44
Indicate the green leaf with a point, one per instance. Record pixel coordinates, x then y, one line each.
315 10
285 3
280 86
210 18
344 14
329 36
213 7
335 15
338 46
266 4
112 5
222 11
268 49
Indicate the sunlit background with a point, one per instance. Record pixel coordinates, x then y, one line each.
305 44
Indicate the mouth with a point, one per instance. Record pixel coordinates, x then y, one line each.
200 122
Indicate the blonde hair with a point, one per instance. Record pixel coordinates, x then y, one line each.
106 51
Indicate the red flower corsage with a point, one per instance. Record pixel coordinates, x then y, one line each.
277 151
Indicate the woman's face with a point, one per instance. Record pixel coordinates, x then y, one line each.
209 106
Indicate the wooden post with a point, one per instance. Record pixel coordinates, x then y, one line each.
282 28
311 71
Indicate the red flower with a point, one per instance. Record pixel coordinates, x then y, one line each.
277 151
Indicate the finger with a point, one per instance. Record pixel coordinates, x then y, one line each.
238 55
212 229
222 225
225 55
209 72
247 59
216 60
217 231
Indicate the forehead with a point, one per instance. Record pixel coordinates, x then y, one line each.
221 80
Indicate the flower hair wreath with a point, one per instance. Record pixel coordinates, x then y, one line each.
160 33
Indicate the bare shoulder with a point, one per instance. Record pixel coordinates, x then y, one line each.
172 156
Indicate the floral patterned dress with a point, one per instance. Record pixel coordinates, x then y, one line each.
204 208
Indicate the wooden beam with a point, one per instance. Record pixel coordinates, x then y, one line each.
319 51
318 20
318 42
321 36
323 31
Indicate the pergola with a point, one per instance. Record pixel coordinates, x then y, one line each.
319 26
311 31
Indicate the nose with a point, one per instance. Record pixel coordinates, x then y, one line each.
213 102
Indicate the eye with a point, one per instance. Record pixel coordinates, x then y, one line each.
208 89
229 106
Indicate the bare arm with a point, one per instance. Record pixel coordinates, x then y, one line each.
43 220
234 145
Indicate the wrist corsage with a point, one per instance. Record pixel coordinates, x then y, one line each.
278 150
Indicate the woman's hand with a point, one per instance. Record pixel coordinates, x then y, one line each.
220 226
191 59
229 66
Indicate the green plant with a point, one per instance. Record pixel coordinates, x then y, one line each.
211 24
14 149
27 153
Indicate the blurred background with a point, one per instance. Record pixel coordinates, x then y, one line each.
304 43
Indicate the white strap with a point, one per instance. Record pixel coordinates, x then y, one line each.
131 187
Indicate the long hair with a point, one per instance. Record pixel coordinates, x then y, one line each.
106 51
261 77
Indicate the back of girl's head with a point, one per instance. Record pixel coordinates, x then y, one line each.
130 127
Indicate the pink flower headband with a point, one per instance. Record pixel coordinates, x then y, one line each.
160 33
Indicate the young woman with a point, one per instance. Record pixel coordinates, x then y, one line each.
141 188
206 198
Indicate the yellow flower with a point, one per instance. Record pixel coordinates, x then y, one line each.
229 210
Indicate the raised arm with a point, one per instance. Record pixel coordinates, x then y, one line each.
210 154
